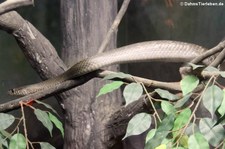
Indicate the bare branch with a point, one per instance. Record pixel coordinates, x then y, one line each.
9 5
118 121
37 49
175 86
209 53
219 59
114 26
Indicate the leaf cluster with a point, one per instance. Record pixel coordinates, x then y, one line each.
179 125
18 140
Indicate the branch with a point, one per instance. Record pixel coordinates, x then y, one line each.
175 86
43 58
209 53
114 26
9 5
219 59
118 121
209 56
64 86
41 55
37 49
81 80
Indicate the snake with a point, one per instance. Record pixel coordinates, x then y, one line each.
148 51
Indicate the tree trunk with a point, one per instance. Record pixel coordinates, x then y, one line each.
84 26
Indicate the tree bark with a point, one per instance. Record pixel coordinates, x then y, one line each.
89 123
84 25
98 116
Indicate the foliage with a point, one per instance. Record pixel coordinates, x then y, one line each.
188 84
6 120
132 92
179 125
138 124
110 87
17 140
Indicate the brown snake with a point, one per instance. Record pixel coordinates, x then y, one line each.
163 50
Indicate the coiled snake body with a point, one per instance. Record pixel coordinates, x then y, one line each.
164 50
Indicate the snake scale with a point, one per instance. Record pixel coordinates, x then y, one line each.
162 50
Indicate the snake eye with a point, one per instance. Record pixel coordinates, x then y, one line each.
11 92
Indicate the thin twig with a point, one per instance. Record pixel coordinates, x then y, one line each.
175 86
209 53
114 26
219 59
9 5
152 104
194 110
24 124
155 120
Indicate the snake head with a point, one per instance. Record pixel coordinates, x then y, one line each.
14 92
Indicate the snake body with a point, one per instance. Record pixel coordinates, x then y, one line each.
163 50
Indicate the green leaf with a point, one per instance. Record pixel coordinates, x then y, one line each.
150 135
3 142
164 128
17 141
184 141
181 121
188 84
212 98
191 129
166 94
42 116
222 74
179 147
221 109
194 66
5 134
120 75
57 123
213 134
168 142
6 120
221 120
162 146
182 101
138 124
47 106
211 69
109 87
46 145
132 92
223 147
197 141
167 107
166 124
